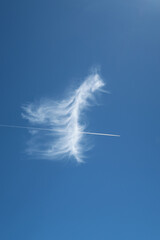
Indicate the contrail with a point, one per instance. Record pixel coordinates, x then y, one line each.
49 129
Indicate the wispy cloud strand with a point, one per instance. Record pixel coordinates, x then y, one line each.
65 118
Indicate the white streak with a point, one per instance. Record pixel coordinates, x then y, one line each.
51 130
65 118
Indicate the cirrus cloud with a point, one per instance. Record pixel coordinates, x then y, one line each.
65 118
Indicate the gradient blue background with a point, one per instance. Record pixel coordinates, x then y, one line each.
46 48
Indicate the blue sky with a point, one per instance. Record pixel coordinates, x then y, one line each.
48 47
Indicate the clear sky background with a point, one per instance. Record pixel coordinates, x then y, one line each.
47 47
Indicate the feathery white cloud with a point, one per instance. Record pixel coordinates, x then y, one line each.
65 118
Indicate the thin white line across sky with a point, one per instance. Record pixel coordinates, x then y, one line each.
51 130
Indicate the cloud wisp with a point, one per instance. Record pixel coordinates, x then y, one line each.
65 118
